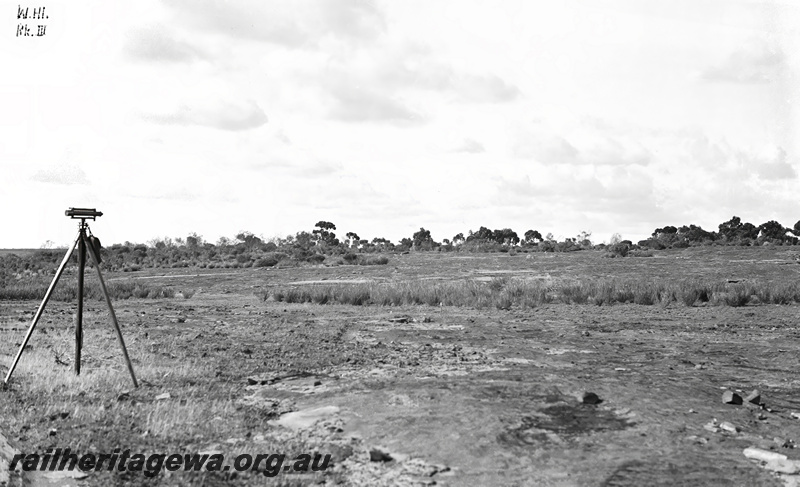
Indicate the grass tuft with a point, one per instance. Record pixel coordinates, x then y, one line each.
507 293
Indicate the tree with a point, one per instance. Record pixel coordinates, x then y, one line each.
796 230
483 233
772 230
422 240
304 239
666 232
248 239
406 243
731 228
694 233
532 236
459 239
351 239
324 233
506 236
194 240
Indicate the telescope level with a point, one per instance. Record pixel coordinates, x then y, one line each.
83 213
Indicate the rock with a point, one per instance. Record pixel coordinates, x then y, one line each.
794 415
66 474
376 455
305 418
697 439
162 397
789 467
730 397
340 453
726 426
754 397
763 455
591 398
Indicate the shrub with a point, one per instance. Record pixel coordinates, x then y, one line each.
618 249
739 295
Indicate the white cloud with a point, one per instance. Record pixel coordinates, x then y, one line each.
65 174
748 65
470 146
220 115
297 24
357 104
156 43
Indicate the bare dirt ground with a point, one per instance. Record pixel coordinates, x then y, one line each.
423 395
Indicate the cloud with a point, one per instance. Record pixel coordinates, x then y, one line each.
355 104
296 24
413 66
470 146
594 149
485 89
738 164
157 44
219 115
750 65
63 174
548 149
774 168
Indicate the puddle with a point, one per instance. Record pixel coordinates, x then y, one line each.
560 422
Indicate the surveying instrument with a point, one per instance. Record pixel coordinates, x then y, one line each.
86 244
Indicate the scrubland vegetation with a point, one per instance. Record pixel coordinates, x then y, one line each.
506 293
27 276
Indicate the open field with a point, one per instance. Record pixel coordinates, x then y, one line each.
457 393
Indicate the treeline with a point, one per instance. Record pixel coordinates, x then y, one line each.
321 244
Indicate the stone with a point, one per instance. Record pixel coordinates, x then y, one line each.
754 397
66 474
730 397
305 418
763 455
591 398
376 455
726 426
789 467
162 397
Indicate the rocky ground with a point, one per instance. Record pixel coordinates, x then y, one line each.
557 395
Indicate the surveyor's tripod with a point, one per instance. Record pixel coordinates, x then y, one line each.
85 244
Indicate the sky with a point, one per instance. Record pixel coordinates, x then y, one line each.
210 117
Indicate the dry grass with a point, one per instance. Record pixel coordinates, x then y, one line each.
504 293
68 291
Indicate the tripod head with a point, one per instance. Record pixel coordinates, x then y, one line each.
83 213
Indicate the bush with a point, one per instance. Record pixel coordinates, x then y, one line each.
738 296
382 260
618 249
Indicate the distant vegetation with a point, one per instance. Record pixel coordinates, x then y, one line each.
322 246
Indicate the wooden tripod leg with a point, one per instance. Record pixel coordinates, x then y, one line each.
41 307
79 314
112 314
